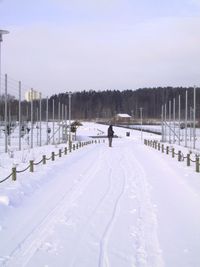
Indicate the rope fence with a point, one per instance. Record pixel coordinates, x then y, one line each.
180 155
44 159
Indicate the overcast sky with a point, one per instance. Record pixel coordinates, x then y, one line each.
60 45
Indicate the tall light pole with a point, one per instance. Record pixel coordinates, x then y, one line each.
1 40
194 119
70 95
141 121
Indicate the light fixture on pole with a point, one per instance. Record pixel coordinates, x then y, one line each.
1 40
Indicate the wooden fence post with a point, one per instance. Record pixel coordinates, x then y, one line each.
70 147
179 155
162 148
156 145
31 165
188 159
172 152
53 156
167 150
14 174
197 163
65 151
44 159
60 153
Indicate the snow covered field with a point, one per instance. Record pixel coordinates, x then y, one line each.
125 206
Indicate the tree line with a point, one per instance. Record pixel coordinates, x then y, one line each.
106 104
88 105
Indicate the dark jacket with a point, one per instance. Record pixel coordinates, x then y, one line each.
110 131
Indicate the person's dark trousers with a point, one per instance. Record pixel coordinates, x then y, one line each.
110 141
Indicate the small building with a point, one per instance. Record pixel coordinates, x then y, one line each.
32 95
122 118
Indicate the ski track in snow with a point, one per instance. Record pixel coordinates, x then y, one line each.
148 252
103 259
23 252
103 256
128 172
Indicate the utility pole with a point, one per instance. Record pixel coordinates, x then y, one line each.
31 117
179 119
19 115
70 95
141 122
162 140
194 119
186 113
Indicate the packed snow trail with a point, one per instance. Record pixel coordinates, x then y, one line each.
105 207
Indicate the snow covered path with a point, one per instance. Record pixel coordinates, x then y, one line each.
117 207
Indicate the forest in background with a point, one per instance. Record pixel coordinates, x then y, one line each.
89 105
105 104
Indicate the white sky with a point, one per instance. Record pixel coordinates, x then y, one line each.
56 45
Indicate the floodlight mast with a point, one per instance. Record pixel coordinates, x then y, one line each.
2 32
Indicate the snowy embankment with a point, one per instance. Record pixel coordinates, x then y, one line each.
128 205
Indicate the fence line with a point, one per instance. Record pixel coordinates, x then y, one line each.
180 155
31 165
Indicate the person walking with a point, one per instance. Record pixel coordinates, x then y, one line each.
110 135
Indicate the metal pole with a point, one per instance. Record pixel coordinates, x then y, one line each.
194 121
37 124
40 104
179 119
190 119
170 121
47 119
9 122
62 119
162 125
70 95
31 117
174 118
165 122
20 116
53 121
59 122
141 121
66 123
186 112
6 113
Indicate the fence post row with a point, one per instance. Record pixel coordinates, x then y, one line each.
44 158
156 145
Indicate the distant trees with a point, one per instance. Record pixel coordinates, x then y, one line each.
105 104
